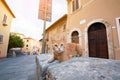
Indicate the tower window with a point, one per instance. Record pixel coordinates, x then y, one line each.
27 40
26 45
75 5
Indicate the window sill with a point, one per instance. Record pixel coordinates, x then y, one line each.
5 24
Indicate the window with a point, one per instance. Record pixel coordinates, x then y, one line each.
1 39
75 5
26 45
27 40
75 37
118 28
5 20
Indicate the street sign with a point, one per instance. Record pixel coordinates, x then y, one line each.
45 10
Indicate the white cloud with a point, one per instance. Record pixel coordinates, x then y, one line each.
26 27
59 8
26 12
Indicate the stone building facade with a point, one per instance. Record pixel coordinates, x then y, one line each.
6 16
31 46
94 24
57 31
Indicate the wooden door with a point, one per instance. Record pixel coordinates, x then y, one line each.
98 46
92 44
102 44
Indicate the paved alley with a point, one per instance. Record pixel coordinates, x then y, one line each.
19 68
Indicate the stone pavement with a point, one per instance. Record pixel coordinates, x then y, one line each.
19 68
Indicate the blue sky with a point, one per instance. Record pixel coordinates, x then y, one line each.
26 12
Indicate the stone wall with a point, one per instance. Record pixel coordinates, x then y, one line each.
80 68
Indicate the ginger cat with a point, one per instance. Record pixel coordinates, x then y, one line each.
62 52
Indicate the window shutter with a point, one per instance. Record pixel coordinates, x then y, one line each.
73 6
77 4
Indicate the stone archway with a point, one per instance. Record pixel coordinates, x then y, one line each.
109 38
69 39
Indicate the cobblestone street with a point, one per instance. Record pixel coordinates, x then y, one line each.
19 68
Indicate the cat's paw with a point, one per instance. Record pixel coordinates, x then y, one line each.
50 61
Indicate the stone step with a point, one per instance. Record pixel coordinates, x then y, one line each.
80 68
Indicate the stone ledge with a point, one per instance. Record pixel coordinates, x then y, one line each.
80 68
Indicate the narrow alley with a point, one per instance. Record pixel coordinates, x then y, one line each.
19 68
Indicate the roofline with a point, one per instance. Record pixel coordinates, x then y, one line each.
65 15
8 8
29 38
40 39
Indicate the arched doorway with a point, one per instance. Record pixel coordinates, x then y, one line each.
75 37
97 39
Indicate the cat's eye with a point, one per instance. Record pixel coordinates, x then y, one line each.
55 45
61 44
